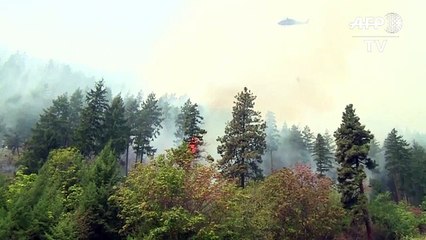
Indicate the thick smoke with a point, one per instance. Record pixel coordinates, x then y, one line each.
28 86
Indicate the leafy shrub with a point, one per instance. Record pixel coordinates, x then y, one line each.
397 221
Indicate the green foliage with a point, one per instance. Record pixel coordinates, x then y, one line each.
59 194
352 149
352 140
67 199
188 123
416 179
117 130
243 144
322 155
295 205
148 127
75 108
396 220
36 202
329 141
20 184
272 142
272 135
3 190
308 138
375 149
65 229
297 145
97 218
90 137
172 198
397 158
131 114
53 130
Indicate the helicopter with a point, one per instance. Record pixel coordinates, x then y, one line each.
290 22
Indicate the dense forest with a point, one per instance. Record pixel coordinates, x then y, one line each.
86 164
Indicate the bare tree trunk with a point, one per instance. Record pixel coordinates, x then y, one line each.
242 182
242 174
367 221
127 158
366 216
396 184
142 155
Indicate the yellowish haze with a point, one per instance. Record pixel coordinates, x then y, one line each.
305 73
210 49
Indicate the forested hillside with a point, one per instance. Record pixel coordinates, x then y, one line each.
88 168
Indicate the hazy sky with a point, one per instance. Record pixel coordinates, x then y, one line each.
209 50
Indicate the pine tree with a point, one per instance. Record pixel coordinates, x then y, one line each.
331 146
148 127
52 130
308 138
329 140
397 160
284 133
297 146
322 155
243 144
417 179
188 124
76 108
117 130
131 114
272 137
352 140
90 134
97 216
169 111
374 149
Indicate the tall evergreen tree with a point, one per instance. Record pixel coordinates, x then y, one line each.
188 124
378 180
308 138
284 132
297 147
272 138
97 215
331 146
169 111
397 161
329 140
132 110
374 149
148 127
417 179
116 128
90 134
76 108
352 140
243 144
322 155
53 130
